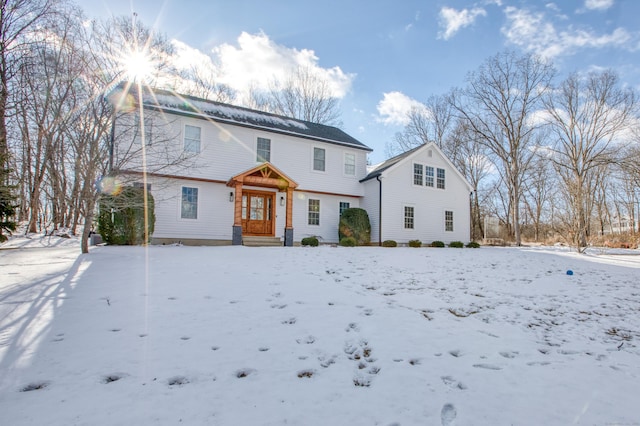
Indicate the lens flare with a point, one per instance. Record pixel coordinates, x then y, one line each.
109 185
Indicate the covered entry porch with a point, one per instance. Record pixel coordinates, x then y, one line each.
255 210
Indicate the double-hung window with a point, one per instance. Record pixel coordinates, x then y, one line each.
428 179
189 208
440 179
349 164
319 159
417 174
263 150
192 135
408 217
314 212
448 221
343 207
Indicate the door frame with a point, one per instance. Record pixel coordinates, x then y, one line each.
266 195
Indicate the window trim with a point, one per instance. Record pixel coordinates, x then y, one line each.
429 179
409 219
314 214
415 174
448 221
440 182
197 202
324 159
344 168
259 158
184 139
340 205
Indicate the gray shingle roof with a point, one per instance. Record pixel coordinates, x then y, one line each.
169 101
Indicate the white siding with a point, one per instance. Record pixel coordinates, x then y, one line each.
329 215
215 212
370 202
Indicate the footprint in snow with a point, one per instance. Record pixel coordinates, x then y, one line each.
488 366
448 414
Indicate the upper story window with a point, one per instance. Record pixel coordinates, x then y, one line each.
349 164
440 179
417 174
314 212
263 151
319 159
428 180
343 207
189 207
192 136
448 221
408 217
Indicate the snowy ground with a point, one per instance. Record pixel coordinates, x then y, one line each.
317 336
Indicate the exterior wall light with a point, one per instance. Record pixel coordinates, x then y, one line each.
231 197
282 201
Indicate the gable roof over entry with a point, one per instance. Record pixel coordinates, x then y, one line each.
265 175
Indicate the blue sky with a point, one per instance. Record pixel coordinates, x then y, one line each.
381 57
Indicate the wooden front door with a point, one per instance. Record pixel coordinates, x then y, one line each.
258 213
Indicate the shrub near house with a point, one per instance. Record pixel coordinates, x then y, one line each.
121 218
354 222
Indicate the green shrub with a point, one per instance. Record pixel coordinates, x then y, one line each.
415 243
456 244
389 243
437 244
310 241
348 242
121 217
473 244
354 222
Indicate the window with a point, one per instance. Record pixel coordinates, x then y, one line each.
314 212
263 150
148 128
428 179
191 138
448 221
318 159
408 217
417 174
189 203
440 178
349 164
343 207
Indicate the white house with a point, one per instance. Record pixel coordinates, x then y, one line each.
221 174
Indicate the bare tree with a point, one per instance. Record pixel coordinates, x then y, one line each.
431 122
17 18
303 95
201 82
498 104
586 115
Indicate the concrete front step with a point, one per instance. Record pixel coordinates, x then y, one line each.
262 242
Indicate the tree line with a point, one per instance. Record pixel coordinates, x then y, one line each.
548 157
543 156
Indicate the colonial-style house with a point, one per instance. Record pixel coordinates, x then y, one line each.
222 174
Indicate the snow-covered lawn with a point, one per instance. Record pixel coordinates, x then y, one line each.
318 336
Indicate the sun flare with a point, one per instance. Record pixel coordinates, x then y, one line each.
137 66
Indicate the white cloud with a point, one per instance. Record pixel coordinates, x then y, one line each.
453 20
394 108
256 61
598 4
533 32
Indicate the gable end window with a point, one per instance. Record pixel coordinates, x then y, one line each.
263 150
417 174
408 217
314 212
189 208
319 159
349 164
192 136
440 179
448 221
428 179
